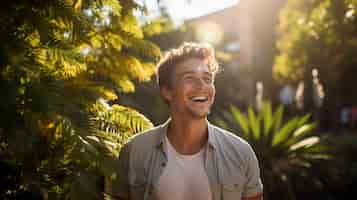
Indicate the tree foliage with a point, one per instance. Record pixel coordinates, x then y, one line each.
60 61
319 34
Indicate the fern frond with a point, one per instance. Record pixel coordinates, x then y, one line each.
118 119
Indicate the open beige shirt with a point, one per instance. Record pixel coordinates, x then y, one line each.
231 165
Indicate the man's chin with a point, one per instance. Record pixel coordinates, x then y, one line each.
200 114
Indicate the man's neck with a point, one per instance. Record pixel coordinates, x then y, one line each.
188 136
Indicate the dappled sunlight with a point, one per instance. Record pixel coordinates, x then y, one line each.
308 142
78 80
209 32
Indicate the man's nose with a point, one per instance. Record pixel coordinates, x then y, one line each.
200 83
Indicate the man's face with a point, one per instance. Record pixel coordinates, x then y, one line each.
192 93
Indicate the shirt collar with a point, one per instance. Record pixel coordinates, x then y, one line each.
163 131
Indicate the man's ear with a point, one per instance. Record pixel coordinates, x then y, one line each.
166 93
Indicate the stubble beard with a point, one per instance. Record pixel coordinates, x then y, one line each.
200 114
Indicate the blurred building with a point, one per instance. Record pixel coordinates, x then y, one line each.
231 26
249 29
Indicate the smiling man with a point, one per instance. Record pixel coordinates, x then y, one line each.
187 158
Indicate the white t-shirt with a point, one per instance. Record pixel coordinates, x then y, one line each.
184 177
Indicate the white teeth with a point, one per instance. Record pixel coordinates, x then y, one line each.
199 98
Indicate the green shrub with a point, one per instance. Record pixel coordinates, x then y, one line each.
284 150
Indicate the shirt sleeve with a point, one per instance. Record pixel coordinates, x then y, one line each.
120 186
253 184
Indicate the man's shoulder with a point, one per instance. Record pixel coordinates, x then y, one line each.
228 136
146 139
231 141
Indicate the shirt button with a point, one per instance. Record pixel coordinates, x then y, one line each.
163 164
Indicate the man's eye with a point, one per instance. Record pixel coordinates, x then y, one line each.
208 80
189 78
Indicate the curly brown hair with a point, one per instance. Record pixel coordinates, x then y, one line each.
167 65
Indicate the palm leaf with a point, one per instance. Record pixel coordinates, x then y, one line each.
267 117
278 115
305 143
254 123
304 119
285 131
304 129
240 119
222 123
282 148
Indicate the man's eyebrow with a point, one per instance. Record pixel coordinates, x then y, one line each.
192 72
186 72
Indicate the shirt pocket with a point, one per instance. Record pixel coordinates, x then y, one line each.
231 190
137 188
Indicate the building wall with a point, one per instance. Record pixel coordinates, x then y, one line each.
234 20
253 23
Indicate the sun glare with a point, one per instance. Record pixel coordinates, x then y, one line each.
181 10
196 8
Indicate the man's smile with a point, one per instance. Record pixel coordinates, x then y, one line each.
200 99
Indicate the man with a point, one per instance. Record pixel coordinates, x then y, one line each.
187 158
